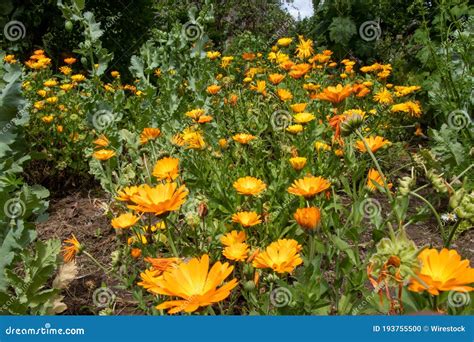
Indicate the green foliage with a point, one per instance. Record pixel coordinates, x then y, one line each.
341 30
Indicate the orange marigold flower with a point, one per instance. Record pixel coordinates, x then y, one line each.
166 169
284 94
160 265
159 200
103 154
126 193
308 218
298 107
101 141
243 138
442 271
247 218
72 249
249 186
335 94
213 89
374 179
126 220
374 143
233 237
298 163
282 256
276 78
70 60
200 288
148 134
309 186
236 251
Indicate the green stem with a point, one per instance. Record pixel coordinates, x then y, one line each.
451 234
438 219
102 267
170 239
377 165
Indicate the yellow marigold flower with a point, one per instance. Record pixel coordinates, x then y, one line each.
72 249
304 49
260 87
374 179
103 154
66 86
374 143
101 141
384 97
70 60
298 163
410 107
65 70
309 186
159 200
321 145
223 143
166 169
442 271
282 256
125 221
335 94
246 218
249 186
193 139
148 134
195 114
213 89
213 55
201 286
50 83
294 129
285 41
243 138
308 218
236 251
42 92
52 100
226 60
115 74
10 59
276 78
311 87
405 90
303 118
78 78
233 237
284 94
298 107
59 128
299 70
126 194
47 119
38 105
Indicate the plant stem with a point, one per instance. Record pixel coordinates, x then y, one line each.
441 227
102 267
170 239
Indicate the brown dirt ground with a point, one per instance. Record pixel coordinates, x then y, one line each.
80 214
